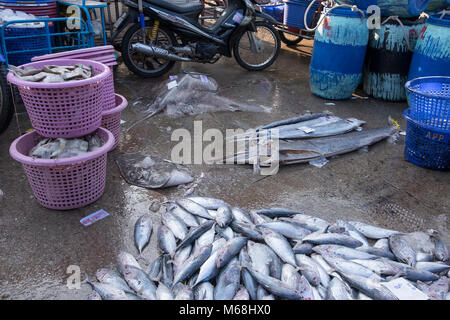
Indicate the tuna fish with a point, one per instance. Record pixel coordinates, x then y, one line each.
402 250
139 281
142 231
194 208
167 240
279 245
373 232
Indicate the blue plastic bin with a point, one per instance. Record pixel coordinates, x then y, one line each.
276 11
429 101
426 146
294 13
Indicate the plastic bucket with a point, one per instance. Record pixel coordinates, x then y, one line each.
67 183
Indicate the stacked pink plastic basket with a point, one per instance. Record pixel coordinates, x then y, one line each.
113 104
65 110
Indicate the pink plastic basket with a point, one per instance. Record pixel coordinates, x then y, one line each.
109 100
64 110
74 53
111 118
67 183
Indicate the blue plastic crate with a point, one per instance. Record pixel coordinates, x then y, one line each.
426 146
276 11
294 13
21 44
429 101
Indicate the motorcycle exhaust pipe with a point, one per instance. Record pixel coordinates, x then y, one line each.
157 52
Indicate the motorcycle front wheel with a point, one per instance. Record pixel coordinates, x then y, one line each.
143 65
268 42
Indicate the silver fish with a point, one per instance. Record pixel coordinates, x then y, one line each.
321 261
290 276
259 219
289 230
106 291
123 259
185 293
188 218
424 257
223 216
312 271
204 291
166 271
227 232
180 257
205 239
142 231
247 279
139 281
178 228
309 222
338 290
373 232
333 238
166 240
112 278
264 259
241 216
195 233
440 250
154 269
350 268
353 232
262 294
414 274
343 252
248 230
279 245
368 286
228 281
381 267
194 208
208 269
163 293
382 244
435 267
230 250
377 252
276 212
209 203
193 264
303 248
241 294
402 250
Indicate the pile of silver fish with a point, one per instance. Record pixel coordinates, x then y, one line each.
58 148
213 251
53 73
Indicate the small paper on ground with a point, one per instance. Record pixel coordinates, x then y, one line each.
94 217
404 290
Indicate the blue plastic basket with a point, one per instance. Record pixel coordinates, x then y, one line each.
276 11
21 44
426 146
429 101
294 13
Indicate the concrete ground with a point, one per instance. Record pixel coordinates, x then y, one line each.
379 186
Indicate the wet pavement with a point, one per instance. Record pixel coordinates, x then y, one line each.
37 245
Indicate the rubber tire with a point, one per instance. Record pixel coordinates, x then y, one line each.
126 59
271 61
6 107
290 42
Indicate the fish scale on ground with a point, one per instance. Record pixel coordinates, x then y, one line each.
275 253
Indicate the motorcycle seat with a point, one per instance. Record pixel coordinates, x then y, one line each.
178 6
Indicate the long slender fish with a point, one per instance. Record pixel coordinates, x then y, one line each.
373 232
333 238
193 264
142 231
289 230
230 250
209 203
370 287
343 252
194 208
248 230
279 245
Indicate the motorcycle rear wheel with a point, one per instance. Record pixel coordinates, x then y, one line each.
139 64
270 38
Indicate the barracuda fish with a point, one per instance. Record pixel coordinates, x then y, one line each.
194 208
373 232
195 233
402 250
142 231
289 230
112 278
178 227
139 281
184 216
294 120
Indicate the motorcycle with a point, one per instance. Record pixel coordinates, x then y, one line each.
171 32
6 108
